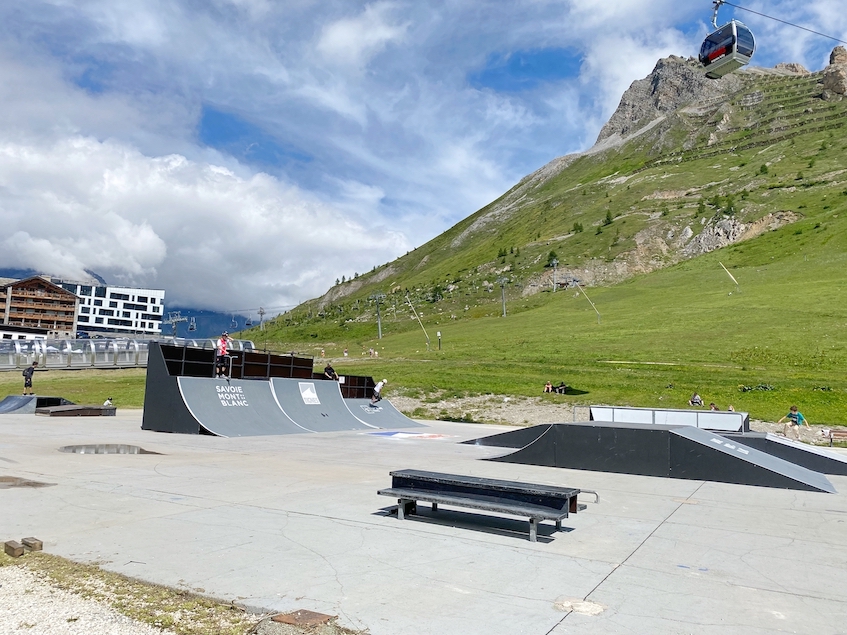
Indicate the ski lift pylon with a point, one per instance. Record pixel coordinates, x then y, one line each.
192 325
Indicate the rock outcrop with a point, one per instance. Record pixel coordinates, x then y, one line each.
835 75
792 67
675 82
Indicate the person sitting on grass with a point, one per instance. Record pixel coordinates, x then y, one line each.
548 387
696 400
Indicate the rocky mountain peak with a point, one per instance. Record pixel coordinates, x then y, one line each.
674 82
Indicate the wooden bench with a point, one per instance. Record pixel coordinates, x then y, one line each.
536 502
835 435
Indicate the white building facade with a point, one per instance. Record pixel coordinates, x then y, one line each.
122 310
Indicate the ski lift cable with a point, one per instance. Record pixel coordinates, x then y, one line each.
770 17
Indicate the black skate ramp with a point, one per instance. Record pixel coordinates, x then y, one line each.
382 415
316 404
27 404
236 407
810 456
514 438
658 450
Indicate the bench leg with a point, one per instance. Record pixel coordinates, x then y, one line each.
533 529
435 507
405 507
558 525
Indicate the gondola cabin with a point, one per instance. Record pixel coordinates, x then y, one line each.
727 49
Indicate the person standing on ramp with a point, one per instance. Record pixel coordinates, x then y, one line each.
377 390
221 366
27 373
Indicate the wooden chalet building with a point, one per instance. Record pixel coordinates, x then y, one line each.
37 303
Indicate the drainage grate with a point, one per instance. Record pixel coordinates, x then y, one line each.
106 448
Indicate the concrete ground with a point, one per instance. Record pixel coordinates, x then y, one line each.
294 522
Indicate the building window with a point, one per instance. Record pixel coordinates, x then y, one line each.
113 305
85 290
85 309
98 320
98 303
83 318
119 296
142 298
126 314
100 292
106 312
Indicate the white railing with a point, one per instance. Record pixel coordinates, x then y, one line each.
715 420
91 353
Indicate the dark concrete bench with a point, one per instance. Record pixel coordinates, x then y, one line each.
536 502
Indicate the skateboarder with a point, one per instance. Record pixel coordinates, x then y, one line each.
377 390
329 373
221 366
27 373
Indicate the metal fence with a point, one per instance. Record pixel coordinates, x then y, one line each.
91 353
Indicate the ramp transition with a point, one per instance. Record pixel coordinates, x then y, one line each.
682 452
316 404
235 408
381 415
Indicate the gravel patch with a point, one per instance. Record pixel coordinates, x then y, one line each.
530 411
30 604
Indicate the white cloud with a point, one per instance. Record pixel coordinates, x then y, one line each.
352 42
210 237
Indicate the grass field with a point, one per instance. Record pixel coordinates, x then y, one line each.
124 386
660 337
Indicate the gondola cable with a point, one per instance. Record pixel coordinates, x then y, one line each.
770 17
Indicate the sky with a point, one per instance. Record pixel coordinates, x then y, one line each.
247 153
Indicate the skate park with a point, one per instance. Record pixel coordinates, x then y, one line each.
292 520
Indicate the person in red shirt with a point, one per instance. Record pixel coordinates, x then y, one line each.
221 357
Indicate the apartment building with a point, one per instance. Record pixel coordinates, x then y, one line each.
111 309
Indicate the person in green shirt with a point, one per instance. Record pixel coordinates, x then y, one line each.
795 420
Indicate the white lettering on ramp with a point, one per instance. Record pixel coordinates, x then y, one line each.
309 394
232 396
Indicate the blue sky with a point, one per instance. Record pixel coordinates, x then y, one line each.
241 153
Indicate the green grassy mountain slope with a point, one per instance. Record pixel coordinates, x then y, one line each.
752 175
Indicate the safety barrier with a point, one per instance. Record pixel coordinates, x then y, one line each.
91 353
